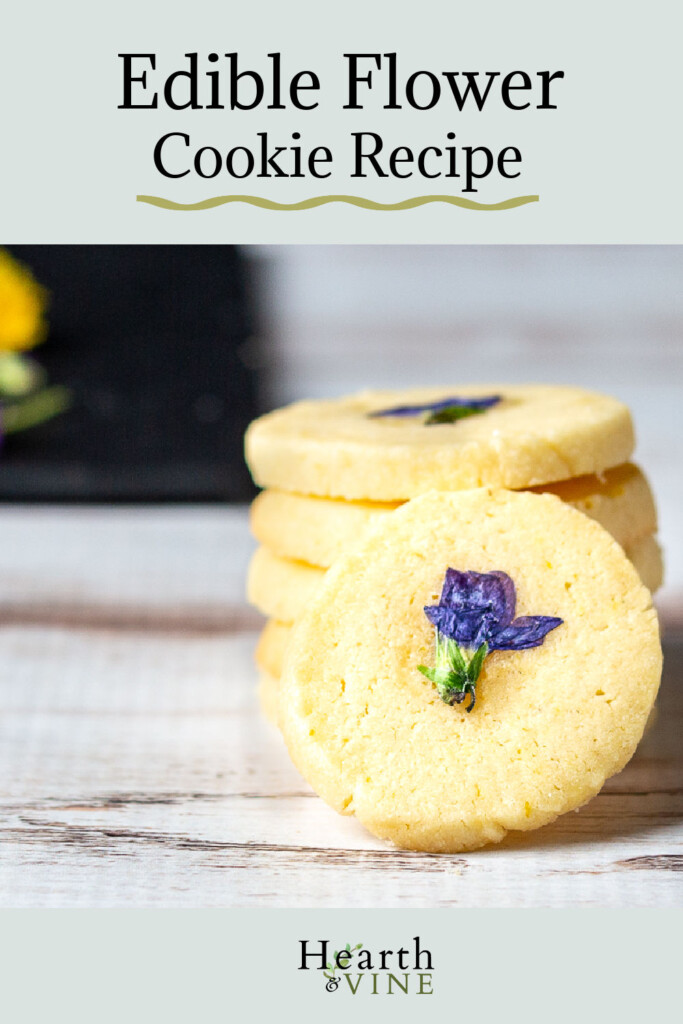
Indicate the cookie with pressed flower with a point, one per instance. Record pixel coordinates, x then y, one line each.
645 554
270 658
479 663
318 530
393 445
275 636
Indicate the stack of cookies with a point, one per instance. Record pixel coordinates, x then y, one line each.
408 494
330 469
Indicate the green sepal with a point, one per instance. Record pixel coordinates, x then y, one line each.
440 676
456 671
455 657
477 662
447 682
452 413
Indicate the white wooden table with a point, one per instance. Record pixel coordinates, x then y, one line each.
135 769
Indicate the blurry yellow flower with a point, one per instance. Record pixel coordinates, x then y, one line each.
22 304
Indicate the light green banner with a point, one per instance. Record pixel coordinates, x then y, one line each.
440 122
178 966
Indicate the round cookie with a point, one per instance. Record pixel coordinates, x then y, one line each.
270 656
318 530
282 588
551 723
272 645
310 529
535 435
620 499
646 556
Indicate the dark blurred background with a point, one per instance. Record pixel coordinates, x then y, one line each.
157 346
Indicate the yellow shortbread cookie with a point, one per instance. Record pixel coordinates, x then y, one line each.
282 588
318 530
269 689
373 737
620 499
646 556
536 434
272 645
271 651
309 529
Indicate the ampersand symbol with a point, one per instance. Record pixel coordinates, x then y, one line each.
332 984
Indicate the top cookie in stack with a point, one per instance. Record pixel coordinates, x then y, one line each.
391 446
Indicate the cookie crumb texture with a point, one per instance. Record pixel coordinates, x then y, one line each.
536 435
551 724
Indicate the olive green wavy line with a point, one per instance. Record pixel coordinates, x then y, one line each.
309 204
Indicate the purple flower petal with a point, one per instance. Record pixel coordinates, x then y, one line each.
476 610
473 606
525 632
443 618
416 410
466 627
487 592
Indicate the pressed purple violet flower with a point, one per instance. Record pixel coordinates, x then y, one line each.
475 616
447 410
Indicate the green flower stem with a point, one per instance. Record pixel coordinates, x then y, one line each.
456 670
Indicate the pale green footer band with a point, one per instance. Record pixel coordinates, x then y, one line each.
309 204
